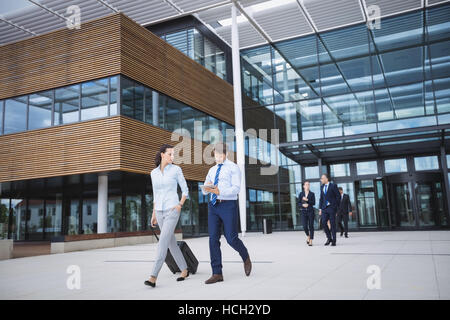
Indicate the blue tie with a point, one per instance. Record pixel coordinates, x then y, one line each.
325 190
216 181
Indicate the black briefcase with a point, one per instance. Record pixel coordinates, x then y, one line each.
190 258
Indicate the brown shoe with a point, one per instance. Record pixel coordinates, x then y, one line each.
214 278
247 266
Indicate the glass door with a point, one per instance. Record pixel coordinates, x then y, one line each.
430 203
401 204
366 203
417 200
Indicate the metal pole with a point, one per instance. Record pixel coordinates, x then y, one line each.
238 123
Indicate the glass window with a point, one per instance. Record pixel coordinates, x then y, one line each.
426 163
94 99
178 40
448 161
67 101
113 96
172 116
15 114
366 167
133 212
89 213
149 96
40 110
1 116
257 69
340 170
4 217
395 165
53 217
196 46
312 172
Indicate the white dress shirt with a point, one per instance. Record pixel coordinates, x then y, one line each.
164 184
229 180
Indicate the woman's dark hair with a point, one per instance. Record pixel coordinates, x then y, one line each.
162 149
303 184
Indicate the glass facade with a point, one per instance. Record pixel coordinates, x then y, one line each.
142 103
79 102
39 209
322 90
354 80
200 49
101 98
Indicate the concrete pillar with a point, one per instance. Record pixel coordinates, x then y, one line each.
155 108
238 122
102 203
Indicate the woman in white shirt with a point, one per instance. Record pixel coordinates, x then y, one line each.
166 210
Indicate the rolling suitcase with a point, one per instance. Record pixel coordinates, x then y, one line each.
190 258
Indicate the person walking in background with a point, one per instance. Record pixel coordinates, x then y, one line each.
328 205
224 181
306 202
166 210
344 210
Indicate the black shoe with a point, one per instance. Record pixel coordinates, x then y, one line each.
342 234
149 283
333 244
346 235
328 242
183 278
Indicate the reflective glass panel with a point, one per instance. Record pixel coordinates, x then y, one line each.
40 110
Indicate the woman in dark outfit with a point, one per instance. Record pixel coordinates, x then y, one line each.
306 202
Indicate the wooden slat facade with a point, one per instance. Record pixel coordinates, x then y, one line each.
150 60
61 57
107 144
102 47
108 46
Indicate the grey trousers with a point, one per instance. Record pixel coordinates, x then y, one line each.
167 221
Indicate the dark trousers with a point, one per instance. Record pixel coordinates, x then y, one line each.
308 223
329 214
343 217
226 214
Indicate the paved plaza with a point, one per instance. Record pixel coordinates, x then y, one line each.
412 265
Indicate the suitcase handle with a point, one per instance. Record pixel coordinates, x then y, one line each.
153 231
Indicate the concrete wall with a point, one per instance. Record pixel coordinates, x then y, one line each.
6 248
70 246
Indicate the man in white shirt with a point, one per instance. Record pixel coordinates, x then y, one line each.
222 209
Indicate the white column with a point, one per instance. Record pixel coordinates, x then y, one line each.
102 203
238 124
155 108
287 112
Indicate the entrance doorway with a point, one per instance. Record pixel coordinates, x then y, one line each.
371 203
417 200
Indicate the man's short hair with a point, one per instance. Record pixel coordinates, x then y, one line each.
326 175
221 148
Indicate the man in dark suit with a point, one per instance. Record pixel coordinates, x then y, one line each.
345 208
329 204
